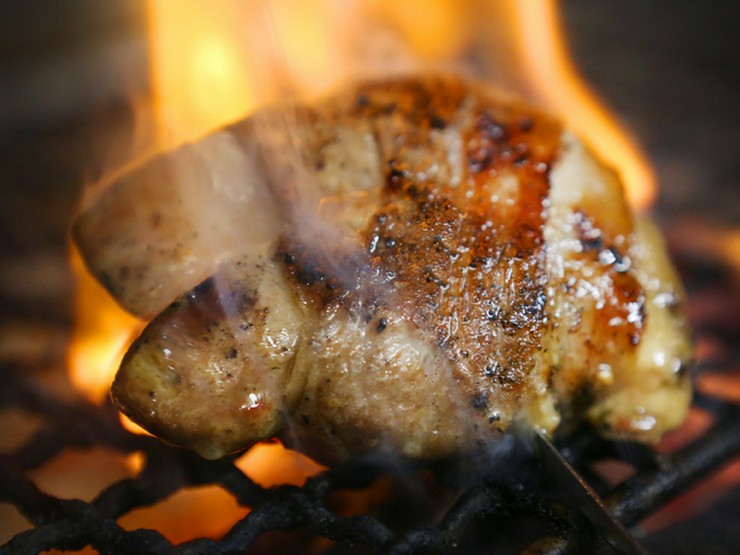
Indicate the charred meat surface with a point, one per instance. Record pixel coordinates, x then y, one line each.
413 264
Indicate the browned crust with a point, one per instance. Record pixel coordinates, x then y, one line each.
468 267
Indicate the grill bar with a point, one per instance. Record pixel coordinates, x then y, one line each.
649 490
71 524
637 497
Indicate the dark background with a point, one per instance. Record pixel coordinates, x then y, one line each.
671 69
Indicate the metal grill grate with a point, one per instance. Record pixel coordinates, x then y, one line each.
505 505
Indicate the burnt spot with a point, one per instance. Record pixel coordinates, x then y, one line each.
491 128
232 354
506 376
327 271
492 314
592 244
423 103
480 401
526 124
395 176
207 306
501 139
382 324
362 100
479 261
389 108
488 141
412 191
432 277
437 122
304 264
205 289
480 159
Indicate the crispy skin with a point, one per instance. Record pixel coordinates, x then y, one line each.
441 262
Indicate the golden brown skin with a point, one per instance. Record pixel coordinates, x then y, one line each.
441 262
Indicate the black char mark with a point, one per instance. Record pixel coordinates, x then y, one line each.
329 272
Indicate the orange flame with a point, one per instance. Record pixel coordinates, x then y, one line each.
555 80
102 332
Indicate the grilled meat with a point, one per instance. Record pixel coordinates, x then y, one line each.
414 264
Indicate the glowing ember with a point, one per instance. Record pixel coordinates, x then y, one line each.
271 464
206 511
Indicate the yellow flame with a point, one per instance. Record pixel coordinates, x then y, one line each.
434 31
101 334
558 84
200 78
215 62
301 32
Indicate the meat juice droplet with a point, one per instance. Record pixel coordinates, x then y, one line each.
254 401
